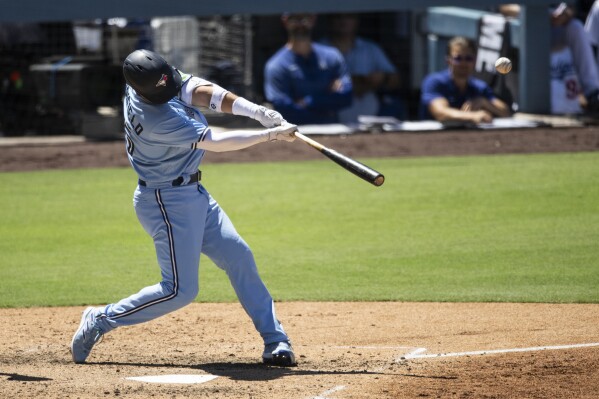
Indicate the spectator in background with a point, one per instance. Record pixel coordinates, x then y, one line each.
371 71
454 95
567 33
308 83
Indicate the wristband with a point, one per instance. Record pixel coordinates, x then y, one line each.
218 95
243 107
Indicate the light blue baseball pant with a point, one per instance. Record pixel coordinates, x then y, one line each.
184 221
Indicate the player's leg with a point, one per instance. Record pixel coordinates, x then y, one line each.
223 245
174 218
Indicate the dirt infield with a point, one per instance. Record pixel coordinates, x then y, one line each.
345 350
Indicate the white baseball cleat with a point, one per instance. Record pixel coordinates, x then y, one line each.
86 336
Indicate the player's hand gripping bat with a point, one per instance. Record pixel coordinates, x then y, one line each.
357 168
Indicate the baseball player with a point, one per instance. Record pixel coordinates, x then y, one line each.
166 136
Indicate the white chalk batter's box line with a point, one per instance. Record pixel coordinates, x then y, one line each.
418 353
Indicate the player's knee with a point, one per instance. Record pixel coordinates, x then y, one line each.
246 254
187 294
181 294
234 252
242 251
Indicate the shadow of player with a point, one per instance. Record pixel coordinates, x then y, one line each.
262 372
21 377
243 371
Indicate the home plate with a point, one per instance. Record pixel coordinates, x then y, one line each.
175 378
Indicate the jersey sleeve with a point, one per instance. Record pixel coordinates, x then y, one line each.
277 86
430 90
277 89
189 86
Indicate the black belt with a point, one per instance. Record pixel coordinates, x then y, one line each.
196 177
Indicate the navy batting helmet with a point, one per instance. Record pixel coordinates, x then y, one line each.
151 76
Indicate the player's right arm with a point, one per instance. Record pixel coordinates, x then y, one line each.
187 132
202 93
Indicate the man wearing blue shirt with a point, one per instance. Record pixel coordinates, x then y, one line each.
455 95
308 83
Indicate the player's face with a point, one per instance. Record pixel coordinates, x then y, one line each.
461 61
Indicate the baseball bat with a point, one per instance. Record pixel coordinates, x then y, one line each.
357 168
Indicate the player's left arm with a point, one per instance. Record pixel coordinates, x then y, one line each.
202 93
238 139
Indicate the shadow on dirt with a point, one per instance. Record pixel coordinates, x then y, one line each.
244 371
438 377
261 372
24 378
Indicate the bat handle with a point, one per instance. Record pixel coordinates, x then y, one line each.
309 141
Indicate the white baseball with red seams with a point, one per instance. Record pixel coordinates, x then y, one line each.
503 65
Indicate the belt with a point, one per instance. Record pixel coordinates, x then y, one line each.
196 177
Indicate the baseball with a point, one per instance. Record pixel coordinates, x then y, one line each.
503 65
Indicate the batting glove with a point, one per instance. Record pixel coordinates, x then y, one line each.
268 117
284 132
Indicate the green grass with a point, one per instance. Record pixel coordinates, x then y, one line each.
522 228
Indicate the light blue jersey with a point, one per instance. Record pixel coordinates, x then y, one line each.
161 139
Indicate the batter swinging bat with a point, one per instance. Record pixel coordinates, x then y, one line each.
358 169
